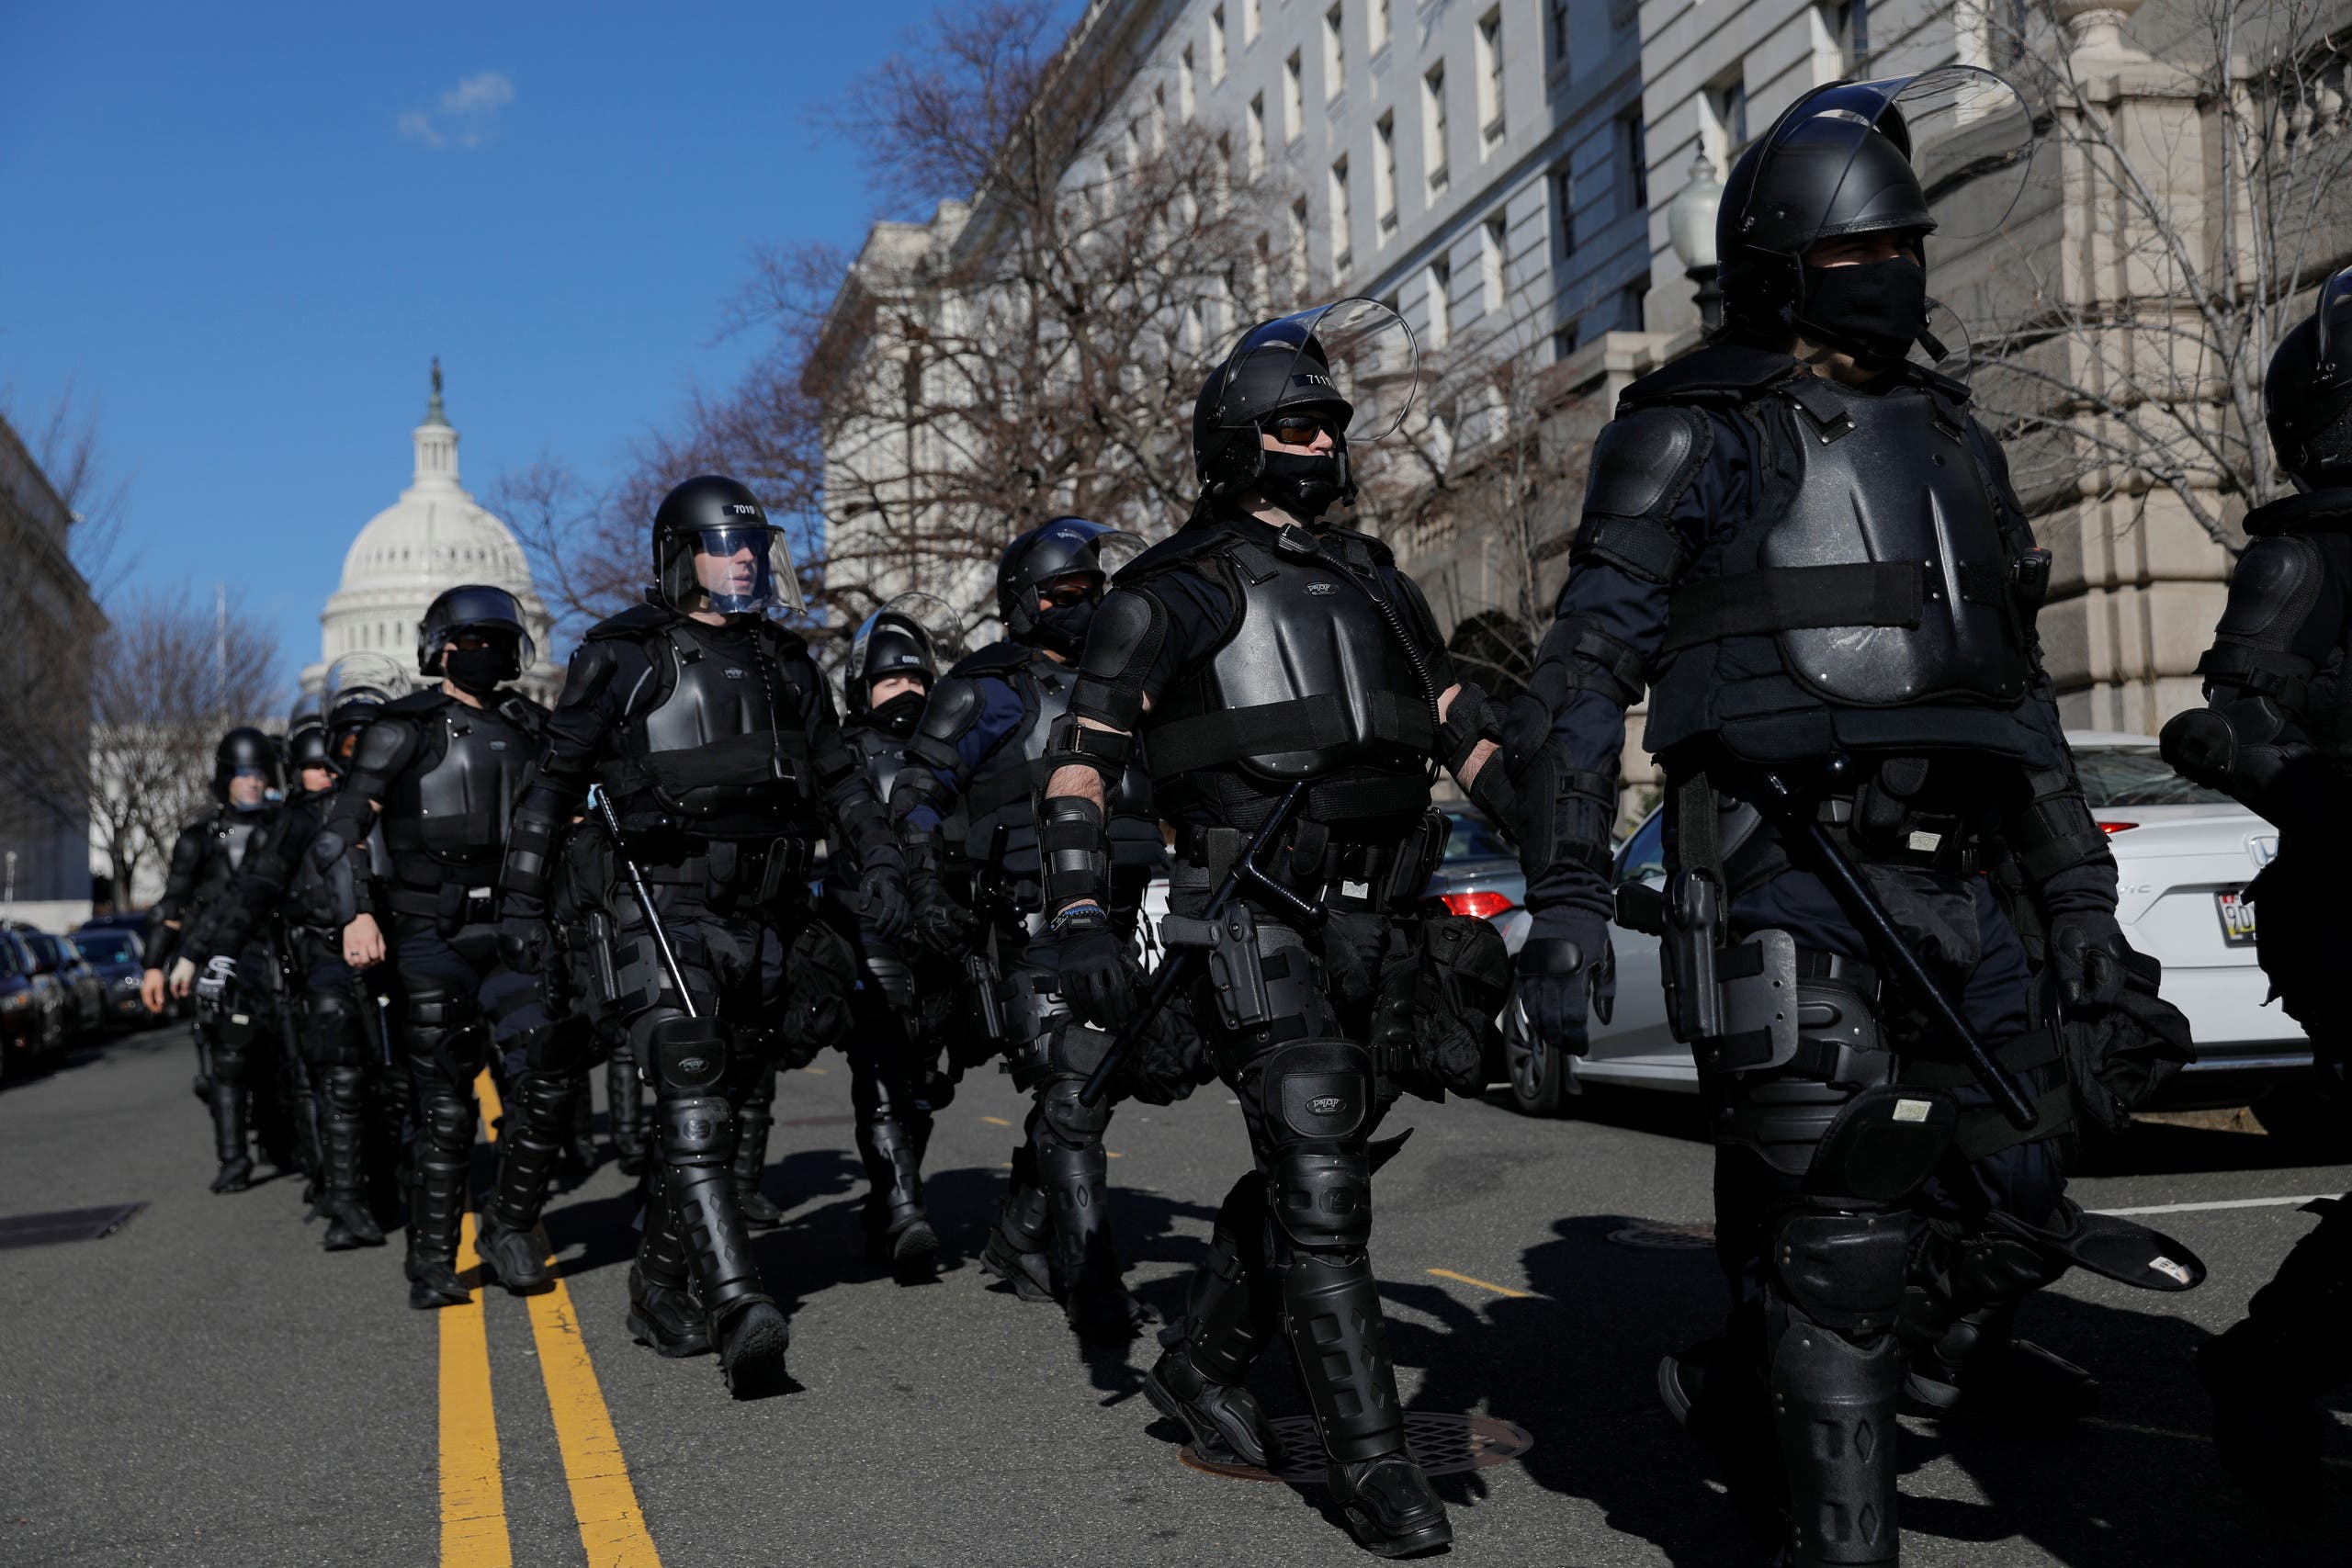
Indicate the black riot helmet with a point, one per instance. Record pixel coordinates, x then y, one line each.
1350 364
715 549
904 637
244 749
306 736
1944 153
1065 547
2307 395
474 609
356 689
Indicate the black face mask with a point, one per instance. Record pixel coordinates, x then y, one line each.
901 714
1062 629
1879 308
475 671
1305 487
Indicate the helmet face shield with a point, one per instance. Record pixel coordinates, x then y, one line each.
2332 325
357 686
477 610
1356 357
732 569
1836 162
910 637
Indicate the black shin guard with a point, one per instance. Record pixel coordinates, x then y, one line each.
696 1137
538 1119
343 1136
231 1103
437 1178
1229 1314
752 1124
1331 1309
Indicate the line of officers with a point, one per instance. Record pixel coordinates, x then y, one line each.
1889 925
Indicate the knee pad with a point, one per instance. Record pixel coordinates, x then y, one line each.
449 1123
1069 1120
688 1053
332 1036
443 1012
1318 1091
1322 1201
231 1058
346 1088
544 1101
1840 1269
696 1129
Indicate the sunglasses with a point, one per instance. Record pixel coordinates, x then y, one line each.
1300 429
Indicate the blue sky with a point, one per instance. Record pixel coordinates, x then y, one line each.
247 228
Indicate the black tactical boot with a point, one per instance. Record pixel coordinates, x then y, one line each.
665 1316
1228 1427
1390 1505
1016 1252
229 1136
341 1134
898 1235
752 1127
1723 1406
752 1337
512 1259
1980 1370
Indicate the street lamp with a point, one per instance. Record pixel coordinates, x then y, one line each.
1690 226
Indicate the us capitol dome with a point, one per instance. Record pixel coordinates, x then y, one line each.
434 537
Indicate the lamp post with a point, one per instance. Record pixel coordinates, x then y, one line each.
1690 226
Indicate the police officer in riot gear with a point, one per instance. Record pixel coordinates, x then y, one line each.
905 990
1262 648
2275 734
714 738
230 1038
1808 548
980 746
279 880
439 771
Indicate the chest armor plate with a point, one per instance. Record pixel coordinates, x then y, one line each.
722 688
881 753
236 838
1010 776
457 810
1317 678
1899 486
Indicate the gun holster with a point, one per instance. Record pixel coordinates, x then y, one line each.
1736 1005
1229 947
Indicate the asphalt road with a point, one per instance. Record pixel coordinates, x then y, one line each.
206 1386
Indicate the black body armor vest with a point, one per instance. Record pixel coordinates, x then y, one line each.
445 815
2312 680
1000 803
881 754
1320 681
1878 598
722 753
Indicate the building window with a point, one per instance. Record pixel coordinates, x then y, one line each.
1293 97
1433 125
1490 81
1563 342
1185 88
1558 28
1257 135
1438 289
1631 310
1299 271
1723 120
1494 235
1216 44
1341 255
1376 23
1384 146
1847 22
1633 161
1335 55
1253 20
1564 211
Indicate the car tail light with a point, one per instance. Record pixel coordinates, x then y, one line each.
1486 906
2112 829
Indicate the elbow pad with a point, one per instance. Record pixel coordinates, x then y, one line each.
1074 846
1564 815
1121 645
530 853
2056 831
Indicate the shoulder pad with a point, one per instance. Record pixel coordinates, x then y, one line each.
2320 511
1186 545
431 700
1382 556
1719 373
516 709
998 658
633 622
953 707
1643 457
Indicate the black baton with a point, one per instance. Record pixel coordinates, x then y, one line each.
602 805
1863 908
1175 969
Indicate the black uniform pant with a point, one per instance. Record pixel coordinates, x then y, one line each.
702 1067
238 1043
461 1001
890 1091
1282 1012
1839 1255
357 1088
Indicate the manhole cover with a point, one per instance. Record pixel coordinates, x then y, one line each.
66 1224
1440 1444
1667 1238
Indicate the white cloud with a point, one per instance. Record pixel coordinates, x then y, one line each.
466 116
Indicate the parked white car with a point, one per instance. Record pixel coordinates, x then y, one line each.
2183 854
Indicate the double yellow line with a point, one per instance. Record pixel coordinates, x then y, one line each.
473 1495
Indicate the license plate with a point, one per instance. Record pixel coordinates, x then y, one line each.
2237 918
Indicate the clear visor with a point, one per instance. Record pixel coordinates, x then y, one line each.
1967 134
364 673
736 571
2332 345
942 627
1114 550
1354 351
308 712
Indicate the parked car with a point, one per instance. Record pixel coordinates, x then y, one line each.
84 987
117 955
31 1021
52 970
2183 856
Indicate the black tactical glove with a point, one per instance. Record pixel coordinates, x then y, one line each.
522 932
882 901
1555 970
1098 972
2087 949
941 923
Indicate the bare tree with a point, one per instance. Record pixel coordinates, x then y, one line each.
2179 214
161 698
68 444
